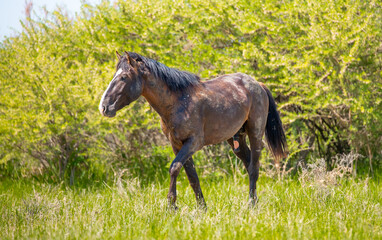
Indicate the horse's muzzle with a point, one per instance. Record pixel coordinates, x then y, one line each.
107 111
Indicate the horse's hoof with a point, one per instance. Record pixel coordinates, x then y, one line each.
173 208
252 203
202 207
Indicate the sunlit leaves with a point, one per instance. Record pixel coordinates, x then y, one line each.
321 60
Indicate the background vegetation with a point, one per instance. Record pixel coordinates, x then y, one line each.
68 172
321 59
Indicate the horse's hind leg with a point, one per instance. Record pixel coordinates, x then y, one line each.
243 152
189 167
255 130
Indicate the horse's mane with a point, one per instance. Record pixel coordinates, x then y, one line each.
176 80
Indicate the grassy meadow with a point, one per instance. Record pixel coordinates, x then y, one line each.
287 209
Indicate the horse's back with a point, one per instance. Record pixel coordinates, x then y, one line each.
241 81
227 102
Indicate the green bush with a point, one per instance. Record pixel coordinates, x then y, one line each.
321 60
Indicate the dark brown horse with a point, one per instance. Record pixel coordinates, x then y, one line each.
195 114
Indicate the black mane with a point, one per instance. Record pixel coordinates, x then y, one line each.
176 80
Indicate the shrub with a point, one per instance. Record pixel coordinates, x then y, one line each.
320 59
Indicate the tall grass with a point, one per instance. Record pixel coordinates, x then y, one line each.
287 209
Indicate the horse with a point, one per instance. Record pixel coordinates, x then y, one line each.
197 113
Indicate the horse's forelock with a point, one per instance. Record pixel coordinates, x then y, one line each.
123 63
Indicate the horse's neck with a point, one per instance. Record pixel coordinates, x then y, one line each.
159 96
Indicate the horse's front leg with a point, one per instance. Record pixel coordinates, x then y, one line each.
190 146
194 182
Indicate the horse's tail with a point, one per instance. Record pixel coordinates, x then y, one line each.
274 133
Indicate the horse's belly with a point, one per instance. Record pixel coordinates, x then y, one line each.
223 125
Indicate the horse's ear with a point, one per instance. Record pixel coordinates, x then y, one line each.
131 60
118 55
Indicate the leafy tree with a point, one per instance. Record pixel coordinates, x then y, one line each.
321 59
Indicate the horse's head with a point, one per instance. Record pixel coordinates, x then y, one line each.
125 87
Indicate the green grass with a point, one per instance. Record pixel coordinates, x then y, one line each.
287 209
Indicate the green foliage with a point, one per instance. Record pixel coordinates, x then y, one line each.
321 59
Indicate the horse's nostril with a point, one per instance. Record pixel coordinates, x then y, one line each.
103 109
